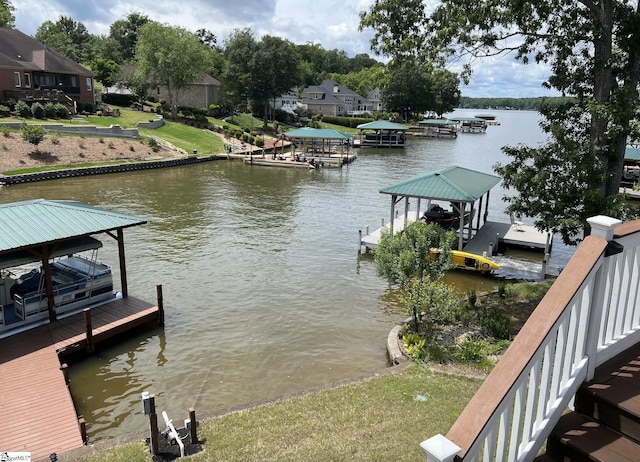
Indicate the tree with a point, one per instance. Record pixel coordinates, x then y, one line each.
407 89
260 71
33 134
123 34
106 71
592 49
405 259
171 57
7 18
67 37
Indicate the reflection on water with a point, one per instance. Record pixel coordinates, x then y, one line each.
264 291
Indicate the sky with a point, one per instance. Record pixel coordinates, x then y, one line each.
331 23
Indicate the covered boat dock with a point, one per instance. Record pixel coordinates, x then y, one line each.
468 193
381 134
36 402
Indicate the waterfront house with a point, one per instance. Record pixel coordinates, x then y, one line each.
31 71
332 99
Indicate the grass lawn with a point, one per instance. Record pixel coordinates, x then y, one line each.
178 134
384 418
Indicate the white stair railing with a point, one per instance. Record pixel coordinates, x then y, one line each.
590 314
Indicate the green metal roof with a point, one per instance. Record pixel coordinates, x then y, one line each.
30 223
382 125
468 119
632 154
317 133
454 183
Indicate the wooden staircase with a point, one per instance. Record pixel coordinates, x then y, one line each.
605 425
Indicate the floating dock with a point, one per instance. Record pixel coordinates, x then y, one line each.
37 409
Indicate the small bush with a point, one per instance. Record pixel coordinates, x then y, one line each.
496 323
33 134
259 142
61 111
38 111
470 351
472 297
23 109
6 131
153 143
55 140
414 346
50 110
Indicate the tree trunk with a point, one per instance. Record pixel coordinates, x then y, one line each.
602 90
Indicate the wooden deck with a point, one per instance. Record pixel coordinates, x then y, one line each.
37 411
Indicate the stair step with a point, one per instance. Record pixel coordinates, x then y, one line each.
577 438
613 398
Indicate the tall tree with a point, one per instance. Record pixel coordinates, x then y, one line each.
592 48
68 37
7 18
275 69
171 57
260 71
123 33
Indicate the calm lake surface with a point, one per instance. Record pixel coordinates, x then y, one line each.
265 293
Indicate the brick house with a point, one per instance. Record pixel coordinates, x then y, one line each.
31 71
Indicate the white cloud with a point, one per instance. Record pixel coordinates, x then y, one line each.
331 23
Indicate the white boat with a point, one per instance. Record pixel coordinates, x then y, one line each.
470 124
77 283
438 128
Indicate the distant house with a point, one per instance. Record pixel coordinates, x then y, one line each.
200 94
331 98
376 101
31 71
288 102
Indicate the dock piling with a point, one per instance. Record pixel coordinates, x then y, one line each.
193 425
160 305
83 430
89 329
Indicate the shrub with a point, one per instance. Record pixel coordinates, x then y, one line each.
472 297
61 111
37 110
50 110
5 111
470 351
153 143
33 134
414 345
23 109
6 131
259 142
496 323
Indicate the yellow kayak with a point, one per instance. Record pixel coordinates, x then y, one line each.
470 261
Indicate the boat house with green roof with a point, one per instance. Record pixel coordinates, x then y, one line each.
381 134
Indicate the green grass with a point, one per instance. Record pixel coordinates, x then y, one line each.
377 419
180 135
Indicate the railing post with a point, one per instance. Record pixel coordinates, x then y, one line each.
601 226
160 305
440 449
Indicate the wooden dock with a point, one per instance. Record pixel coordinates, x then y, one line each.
37 411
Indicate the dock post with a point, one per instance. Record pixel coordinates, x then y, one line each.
193 424
491 248
83 430
153 423
65 373
88 328
160 305
544 265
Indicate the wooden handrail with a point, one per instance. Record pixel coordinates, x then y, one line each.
514 363
590 314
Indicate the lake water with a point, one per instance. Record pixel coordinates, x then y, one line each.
265 293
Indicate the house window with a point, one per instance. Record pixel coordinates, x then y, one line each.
16 77
89 86
27 80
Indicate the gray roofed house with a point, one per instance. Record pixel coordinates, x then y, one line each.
332 99
31 71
